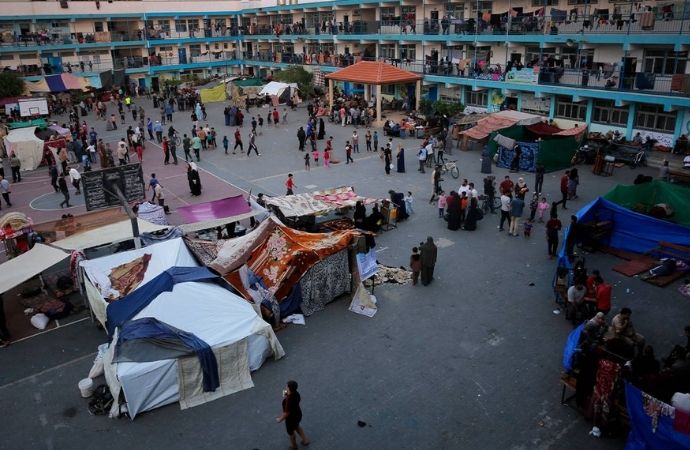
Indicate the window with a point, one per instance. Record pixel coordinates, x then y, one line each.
455 10
6 57
408 12
582 2
607 113
566 109
163 25
534 53
477 98
193 24
98 27
388 89
387 14
665 62
408 51
538 3
180 25
387 51
195 50
484 6
653 118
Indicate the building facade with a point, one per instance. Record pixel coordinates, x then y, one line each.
612 65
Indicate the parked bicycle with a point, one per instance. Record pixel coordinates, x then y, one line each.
486 206
452 167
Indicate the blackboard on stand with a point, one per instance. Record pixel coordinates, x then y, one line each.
98 185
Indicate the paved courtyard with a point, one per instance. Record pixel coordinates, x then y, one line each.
472 361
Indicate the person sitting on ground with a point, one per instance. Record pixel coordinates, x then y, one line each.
678 351
593 331
622 327
576 298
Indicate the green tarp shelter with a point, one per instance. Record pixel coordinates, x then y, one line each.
249 82
641 197
555 152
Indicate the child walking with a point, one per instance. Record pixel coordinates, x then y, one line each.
226 143
415 265
307 167
441 203
409 200
533 205
527 228
315 156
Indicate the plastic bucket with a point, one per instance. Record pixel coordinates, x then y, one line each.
86 387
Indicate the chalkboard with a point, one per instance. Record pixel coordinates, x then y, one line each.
97 186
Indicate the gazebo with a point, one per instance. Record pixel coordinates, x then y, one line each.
374 73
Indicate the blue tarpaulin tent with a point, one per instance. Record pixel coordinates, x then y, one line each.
632 231
126 308
642 435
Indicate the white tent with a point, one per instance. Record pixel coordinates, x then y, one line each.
277 88
108 234
239 337
27 265
24 143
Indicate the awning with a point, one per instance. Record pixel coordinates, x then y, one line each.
276 88
317 203
27 265
108 234
498 121
215 213
572 131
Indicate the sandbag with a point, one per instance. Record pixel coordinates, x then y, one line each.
40 321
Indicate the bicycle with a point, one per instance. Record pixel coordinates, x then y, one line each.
486 206
452 167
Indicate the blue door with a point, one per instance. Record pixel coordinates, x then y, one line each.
432 95
142 83
182 55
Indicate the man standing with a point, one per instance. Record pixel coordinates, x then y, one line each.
196 146
238 141
506 186
376 140
505 210
301 136
158 129
122 152
517 206
5 190
602 295
290 185
355 141
553 227
564 188
149 128
421 156
15 166
186 146
428 253
53 172
75 178
348 153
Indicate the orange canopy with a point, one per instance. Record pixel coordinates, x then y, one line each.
373 73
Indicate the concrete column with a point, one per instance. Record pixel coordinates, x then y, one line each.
330 93
418 94
680 121
632 112
590 109
367 92
378 105
552 108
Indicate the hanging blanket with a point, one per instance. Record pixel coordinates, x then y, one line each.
528 160
600 407
325 281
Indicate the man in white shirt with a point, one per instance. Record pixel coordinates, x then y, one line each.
421 156
472 192
75 178
505 210
576 298
463 187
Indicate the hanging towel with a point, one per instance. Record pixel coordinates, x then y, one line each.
504 141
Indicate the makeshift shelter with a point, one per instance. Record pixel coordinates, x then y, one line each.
175 299
27 265
375 73
280 91
630 231
653 423
57 83
26 145
108 234
214 94
540 143
215 213
301 269
317 203
151 213
643 197
498 121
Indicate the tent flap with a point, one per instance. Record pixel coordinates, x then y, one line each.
27 265
108 234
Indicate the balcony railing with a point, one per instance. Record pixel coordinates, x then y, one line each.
519 25
155 34
48 38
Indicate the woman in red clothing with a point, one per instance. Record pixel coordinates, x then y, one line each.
603 295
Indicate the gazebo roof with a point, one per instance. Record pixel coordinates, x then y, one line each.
373 73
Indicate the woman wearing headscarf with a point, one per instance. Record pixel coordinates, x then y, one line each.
387 156
360 214
473 215
193 179
453 208
322 129
400 157
521 188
